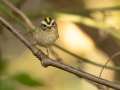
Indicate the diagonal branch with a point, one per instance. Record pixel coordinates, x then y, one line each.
46 61
115 68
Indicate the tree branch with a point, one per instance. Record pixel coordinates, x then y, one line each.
115 68
46 61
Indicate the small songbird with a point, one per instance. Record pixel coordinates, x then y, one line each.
47 33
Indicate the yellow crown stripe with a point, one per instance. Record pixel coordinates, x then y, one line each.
48 19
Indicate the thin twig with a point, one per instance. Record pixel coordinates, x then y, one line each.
99 86
117 68
17 34
19 13
46 61
108 60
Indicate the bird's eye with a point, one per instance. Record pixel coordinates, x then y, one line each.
43 27
53 24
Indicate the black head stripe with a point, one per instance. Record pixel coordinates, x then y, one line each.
48 20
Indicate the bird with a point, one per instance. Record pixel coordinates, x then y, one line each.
47 33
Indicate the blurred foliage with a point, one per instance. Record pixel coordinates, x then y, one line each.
2 65
17 1
26 79
5 11
6 85
103 9
85 12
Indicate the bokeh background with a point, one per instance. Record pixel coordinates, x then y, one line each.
89 34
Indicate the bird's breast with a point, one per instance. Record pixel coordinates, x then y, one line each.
45 39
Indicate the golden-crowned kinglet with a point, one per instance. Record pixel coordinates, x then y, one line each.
47 33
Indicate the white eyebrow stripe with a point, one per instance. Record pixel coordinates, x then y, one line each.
48 25
53 21
43 22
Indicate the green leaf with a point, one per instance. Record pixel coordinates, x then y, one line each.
26 79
